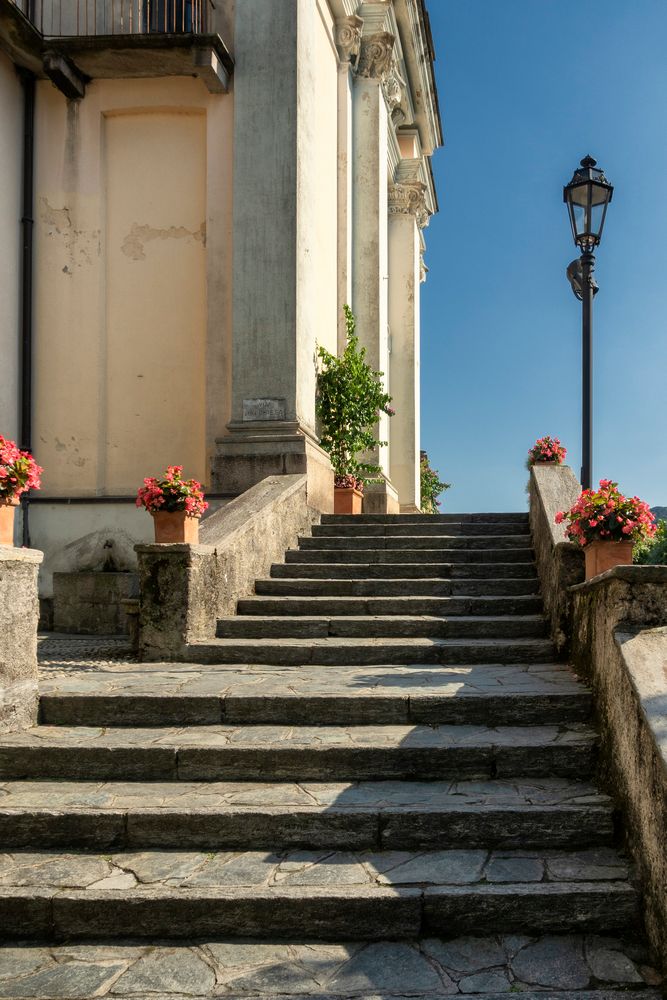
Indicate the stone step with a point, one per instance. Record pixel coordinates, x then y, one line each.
384 556
324 753
405 529
404 571
538 813
355 541
51 896
181 694
382 626
521 604
398 588
506 518
542 967
355 651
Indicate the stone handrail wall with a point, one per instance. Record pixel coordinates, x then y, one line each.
185 588
560 563
19 614
619 645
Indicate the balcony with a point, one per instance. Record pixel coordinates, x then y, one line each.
74 40
74 18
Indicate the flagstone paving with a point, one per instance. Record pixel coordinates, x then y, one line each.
379 754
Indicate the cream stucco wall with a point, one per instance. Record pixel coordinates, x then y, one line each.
11 125
131 183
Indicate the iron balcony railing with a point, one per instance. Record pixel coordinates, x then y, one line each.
67 18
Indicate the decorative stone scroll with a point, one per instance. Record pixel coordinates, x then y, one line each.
376 55
409 199
348 38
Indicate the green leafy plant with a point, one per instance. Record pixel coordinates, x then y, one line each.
350 398
431 486
652 551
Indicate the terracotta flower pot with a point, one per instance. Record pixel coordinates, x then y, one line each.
347 500
175 526
601 556
7 508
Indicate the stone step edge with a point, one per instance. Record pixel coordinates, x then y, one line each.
321 912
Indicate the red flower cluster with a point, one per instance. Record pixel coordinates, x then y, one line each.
605 515
18 471
547 449
172 493
348 482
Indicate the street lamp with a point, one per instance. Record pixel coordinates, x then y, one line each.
586 196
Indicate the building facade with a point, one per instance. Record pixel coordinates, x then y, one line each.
190 195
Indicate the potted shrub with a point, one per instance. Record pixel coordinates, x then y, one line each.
547 451
176 505
607 524
431 486
350 398
19 472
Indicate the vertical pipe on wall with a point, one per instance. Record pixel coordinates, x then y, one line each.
27 222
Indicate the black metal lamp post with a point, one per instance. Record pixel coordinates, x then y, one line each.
586 196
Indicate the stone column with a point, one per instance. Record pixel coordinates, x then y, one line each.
348 44
369 242
19 615
274 321
407 214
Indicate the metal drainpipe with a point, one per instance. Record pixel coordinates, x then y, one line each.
25 429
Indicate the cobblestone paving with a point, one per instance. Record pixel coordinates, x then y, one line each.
79 652
493 965
192 869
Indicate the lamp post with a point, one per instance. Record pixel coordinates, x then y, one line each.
586 196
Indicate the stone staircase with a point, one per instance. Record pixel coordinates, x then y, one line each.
377 774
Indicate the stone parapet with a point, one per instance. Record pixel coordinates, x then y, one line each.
184 589
619 644
19 614
560 563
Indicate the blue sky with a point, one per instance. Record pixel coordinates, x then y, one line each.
527 88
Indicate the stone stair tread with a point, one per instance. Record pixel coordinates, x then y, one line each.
391 557
307 969
161 869
407 542
398 605
388 587
404 570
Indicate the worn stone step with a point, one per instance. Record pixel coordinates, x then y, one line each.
155 695
331 556
347 651
250 753
177 894
541 967
507 518
406 529
385 626
389 815
520 604
403 571
398 588
400 542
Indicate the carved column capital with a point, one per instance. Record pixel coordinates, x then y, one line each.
409 199
348 38
376 54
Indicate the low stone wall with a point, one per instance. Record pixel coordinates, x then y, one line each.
560 562
19 613
619 645
92 603
185 588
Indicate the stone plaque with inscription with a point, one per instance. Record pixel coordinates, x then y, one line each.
264 409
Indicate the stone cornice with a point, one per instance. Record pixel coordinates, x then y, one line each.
376 55
348 38
409 199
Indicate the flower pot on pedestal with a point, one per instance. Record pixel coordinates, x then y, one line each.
7 508
601 556
347 500
175 526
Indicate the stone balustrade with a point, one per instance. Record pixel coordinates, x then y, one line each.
19 614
